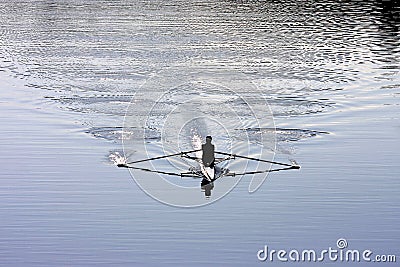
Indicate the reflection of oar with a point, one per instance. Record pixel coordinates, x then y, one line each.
166 156
261 160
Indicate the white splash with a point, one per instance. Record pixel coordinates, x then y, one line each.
196 143
116 158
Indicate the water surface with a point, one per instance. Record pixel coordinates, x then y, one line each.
329 71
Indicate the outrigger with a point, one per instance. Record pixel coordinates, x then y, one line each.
208 168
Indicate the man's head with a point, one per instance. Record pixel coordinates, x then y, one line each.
208 139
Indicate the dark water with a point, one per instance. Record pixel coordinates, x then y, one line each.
328 69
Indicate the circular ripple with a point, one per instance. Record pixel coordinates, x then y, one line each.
184 105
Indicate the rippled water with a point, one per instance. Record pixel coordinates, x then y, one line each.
329 71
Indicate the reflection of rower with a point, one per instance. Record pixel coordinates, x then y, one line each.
208 153
207 187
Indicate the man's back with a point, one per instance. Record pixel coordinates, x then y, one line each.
208 154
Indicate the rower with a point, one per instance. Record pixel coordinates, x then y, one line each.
208 153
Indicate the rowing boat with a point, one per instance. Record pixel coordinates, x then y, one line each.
210 173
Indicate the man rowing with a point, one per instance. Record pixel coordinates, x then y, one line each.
208 168
208 153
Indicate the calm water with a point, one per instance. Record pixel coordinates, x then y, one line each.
329 71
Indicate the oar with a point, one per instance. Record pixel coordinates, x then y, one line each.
148 170
261 160
165 156
263 171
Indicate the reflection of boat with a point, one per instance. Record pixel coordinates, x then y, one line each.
210 173
207 186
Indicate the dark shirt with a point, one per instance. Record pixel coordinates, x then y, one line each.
208 154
